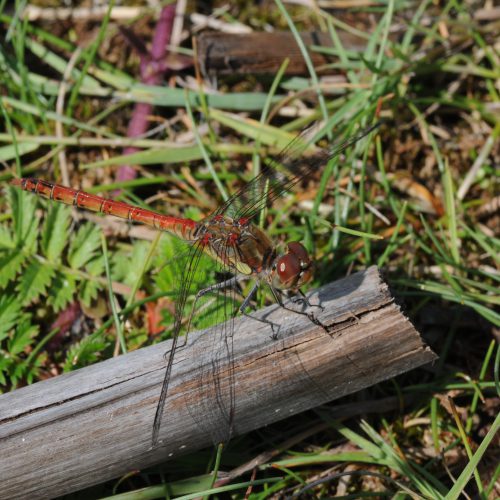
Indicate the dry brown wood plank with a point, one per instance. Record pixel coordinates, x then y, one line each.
84 427
228 53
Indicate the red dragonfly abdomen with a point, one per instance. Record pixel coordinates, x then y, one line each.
182 228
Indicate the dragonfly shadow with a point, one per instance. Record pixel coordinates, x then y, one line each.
241 362
334 296
335 305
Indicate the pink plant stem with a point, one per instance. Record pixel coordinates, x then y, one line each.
152 67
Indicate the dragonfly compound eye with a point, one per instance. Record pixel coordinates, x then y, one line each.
295 267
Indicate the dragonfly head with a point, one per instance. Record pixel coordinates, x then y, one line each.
294 268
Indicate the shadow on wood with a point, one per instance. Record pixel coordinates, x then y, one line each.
85 427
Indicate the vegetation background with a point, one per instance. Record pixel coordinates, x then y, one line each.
73 91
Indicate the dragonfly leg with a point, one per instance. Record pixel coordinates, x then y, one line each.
248 298
231 282
246 303
301 298
310 316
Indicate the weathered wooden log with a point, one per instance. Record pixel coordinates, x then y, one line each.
85 427
261 52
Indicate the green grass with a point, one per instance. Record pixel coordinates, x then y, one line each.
429 172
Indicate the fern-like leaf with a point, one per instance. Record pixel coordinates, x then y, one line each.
11 262
169 259
33 367
90 288
6 241
34 281
84 246
86 352
54 234
10 314
127 268
62 288
22 337
26 223
6 364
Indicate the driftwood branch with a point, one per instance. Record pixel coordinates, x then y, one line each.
85 427
261 52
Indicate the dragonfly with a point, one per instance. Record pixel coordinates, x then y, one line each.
231 237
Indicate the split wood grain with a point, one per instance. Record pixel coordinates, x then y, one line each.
94 424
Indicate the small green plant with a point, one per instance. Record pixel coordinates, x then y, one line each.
41 271
427 185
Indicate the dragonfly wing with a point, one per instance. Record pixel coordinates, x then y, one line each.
216 380
179 276
255 190
219 304
282 173
212 404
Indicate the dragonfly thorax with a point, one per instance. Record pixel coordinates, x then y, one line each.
237 244
246 249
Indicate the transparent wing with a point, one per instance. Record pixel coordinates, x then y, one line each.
213 404
282 174
182 287
216 380
215 387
